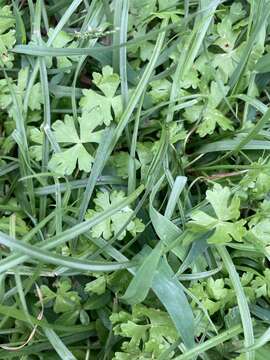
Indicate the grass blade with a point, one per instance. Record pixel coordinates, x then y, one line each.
58 345
173 298
142 280
241 300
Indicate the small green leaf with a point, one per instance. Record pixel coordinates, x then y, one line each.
225 230
120 162
160 90
213 117
99 107
7 35
113 224
64 40
65 299
65 162
97 286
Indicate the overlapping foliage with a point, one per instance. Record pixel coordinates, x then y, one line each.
135 181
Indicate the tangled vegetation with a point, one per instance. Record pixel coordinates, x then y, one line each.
135 179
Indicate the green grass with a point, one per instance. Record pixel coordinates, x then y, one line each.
134 180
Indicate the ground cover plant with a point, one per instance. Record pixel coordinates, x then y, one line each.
135 179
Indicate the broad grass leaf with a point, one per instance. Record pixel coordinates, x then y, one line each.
142 280
173 298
